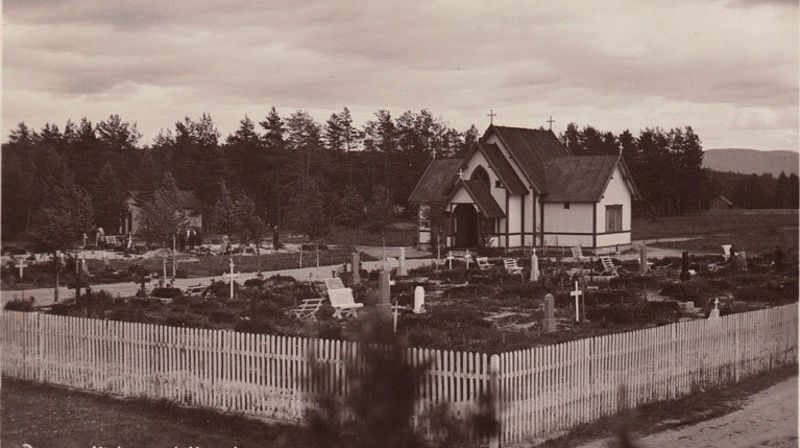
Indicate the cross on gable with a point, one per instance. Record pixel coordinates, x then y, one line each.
491 116
551 121
460 173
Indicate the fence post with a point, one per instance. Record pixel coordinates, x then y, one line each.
39 350
494 394
736 348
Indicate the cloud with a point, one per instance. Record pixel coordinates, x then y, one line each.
153 62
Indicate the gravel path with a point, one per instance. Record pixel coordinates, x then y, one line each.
767 419
44 296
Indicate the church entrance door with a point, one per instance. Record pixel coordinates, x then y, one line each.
466 218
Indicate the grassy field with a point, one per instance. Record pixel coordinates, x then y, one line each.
751 230
44 416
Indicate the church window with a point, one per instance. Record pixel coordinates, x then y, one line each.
613 218
480 174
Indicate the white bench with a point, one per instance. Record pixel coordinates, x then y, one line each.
483 263
343 302
341 298
577 253
307 309
511 266
195 289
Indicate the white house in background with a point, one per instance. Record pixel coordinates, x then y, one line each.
521 187
135 199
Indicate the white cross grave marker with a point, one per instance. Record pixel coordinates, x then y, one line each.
450 260
21 265
577 293
231 276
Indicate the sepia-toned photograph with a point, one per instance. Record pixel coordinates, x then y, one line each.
399 224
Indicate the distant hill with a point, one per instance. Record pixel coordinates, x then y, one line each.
751 161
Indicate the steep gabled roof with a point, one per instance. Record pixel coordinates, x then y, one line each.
481 196
724 200
503 169
531 149
583 178
436 182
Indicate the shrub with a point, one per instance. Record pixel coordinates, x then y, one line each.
19 305
253 283
220 316
127 314
185 320
258 326
166 293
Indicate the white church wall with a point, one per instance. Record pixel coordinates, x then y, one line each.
560 223
531 207
616 193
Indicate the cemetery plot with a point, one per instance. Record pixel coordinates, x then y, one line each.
486 309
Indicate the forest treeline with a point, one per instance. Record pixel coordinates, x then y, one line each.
293 171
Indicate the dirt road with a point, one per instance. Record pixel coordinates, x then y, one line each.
768 418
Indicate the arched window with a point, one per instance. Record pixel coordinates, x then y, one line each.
480 174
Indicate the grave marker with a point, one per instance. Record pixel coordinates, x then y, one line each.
419 300
21 264
577 293
685 266
643 267
715 312
384 296
401 267
549 319
231 276
534 266
356 266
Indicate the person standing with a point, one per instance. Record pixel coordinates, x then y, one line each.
100 238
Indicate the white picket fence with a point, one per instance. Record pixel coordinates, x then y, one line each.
537 391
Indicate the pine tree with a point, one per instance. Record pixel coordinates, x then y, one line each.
381 209
307 210
162 216
351 208
780 196
108 197
275 131
223 217
66 214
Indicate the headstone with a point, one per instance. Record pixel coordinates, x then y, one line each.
534 266
715 312
467 258
384 296
685 266
549 319
401 267
419 300
643 268
356 266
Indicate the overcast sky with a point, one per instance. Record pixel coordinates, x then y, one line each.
729 68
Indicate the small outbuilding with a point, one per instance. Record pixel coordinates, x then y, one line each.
135 198
721 203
